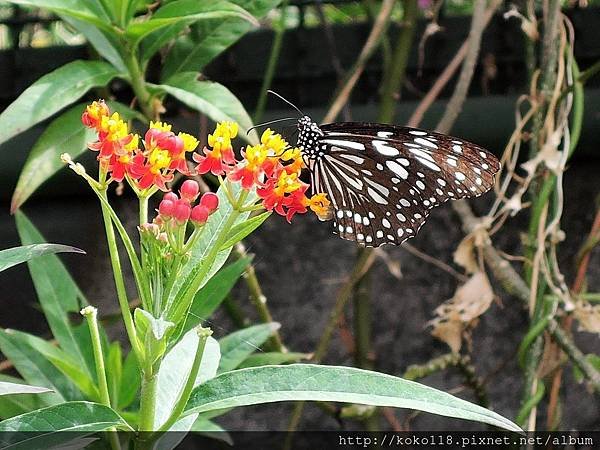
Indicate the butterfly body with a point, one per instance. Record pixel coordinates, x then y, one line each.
382 180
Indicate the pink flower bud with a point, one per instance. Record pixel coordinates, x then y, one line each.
182 211
172 196
152 135
199 215
210 201
189 190
166 208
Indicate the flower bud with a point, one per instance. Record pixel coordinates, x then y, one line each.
170 142
182 212
152 135
210 201
199 215
189 190
166 208
172 196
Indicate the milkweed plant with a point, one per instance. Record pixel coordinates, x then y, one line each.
177 377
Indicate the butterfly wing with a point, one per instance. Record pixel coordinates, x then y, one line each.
383 179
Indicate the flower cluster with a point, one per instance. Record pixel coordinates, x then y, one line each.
271 166
119 154
180 209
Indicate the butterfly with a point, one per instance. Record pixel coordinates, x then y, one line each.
383 180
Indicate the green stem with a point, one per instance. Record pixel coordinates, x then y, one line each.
393 80
118 277
138 83
143 200
91 316
271 65
259 300
203 334
148 400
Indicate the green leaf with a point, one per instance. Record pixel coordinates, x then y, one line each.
114 371
65 134
241 230
208 299
130 381
237 346
331 383
51 93
17 255
57 292
272 358
63 361
154 332
13 405
202 247
7 388
175 368
209 38
185 12
106 44
212 99
71 8
37 370
58 424
212 430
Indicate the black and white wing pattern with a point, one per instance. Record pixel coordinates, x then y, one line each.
383 180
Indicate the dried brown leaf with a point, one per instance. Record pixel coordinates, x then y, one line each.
458 314
588 316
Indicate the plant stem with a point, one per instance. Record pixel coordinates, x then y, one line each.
271 64
203 335
392 83
91 316
138 83
372 43
259 300
118 277
143 200
148 400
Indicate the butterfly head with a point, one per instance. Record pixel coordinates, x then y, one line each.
308 136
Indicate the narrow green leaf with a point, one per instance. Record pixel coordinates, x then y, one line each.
186 11
37 370
331 383
202 247
209 38
13 405
57 292
208 299
241 230
65 134
63 361
7 388
17 255
175 368
51 93
212 99
58 424
106 44
114 371
72 8
237 346
273 358
130 381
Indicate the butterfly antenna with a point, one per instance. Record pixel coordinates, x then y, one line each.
269 122
286 100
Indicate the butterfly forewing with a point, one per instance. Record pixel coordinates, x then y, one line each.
382 180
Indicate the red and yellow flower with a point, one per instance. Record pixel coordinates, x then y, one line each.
221 158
